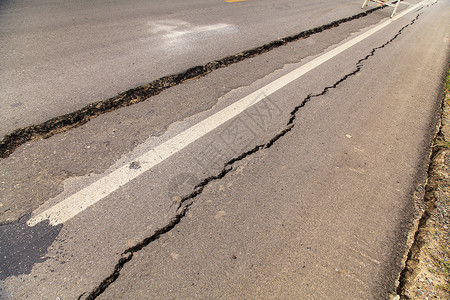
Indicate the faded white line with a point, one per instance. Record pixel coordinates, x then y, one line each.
216 27
73 205
173 29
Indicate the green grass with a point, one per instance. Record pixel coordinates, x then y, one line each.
447 84
442 264
442 144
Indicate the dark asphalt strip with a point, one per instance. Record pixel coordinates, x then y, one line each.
75 119
22 246
187 201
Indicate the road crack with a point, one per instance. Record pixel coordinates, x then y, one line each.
187 201
139 94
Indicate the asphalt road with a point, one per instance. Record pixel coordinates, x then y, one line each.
295 173
57 57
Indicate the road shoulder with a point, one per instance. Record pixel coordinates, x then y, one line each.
427 271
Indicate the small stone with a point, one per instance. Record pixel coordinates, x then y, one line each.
135 165
127 255
220 214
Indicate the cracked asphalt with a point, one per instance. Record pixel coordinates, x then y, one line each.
312 191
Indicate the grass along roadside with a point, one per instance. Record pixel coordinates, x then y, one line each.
441 258
441 262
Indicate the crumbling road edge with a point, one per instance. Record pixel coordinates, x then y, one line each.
429 256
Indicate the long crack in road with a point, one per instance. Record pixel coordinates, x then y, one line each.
75 119
188 200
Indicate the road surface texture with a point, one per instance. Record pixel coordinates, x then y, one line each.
59 57
293 173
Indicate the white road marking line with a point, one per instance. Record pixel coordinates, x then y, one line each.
73 205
